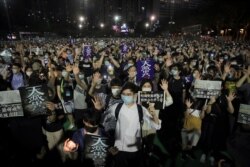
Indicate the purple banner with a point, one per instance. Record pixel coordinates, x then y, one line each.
124 48
87 52
145 69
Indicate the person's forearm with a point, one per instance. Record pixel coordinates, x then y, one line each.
242 80
230 107
156 119
116 64
209 108
91 90
58 89
248 79
223 77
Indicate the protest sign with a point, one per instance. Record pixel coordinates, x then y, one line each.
6 55
244 114
157 98
124 48
206 89
10 104
96 148
86 52
145 69
34 100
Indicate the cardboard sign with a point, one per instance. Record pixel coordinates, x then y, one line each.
96 148
244 114
10 104
6 55
157 98
34 100
145 69
206 89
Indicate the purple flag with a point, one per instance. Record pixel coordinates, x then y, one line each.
145 69
87 52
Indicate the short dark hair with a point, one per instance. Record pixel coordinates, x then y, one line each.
115 82
130 86
145 80
92 117
17 64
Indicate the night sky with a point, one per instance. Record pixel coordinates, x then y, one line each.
51 15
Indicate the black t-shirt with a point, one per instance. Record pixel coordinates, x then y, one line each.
176 88
86 67
66 89
53 126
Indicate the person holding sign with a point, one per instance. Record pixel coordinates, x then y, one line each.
195 112
147 86
215 125
128 126
73 148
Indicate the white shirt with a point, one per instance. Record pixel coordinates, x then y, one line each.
195 113
127 130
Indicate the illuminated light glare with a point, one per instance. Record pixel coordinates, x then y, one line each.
152 18
116 18
81 18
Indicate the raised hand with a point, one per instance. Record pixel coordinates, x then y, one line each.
70 146
97 103
188 103
69 68
164 84
227 68
76 70
50 106
231 97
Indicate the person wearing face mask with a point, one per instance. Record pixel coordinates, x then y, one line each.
65 89
52 125
73 148
128 127
70 56
80 92
147 86
17 78
97 84
28 72
173 115
107 100
132 72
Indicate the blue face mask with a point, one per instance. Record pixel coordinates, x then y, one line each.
106 63
127 99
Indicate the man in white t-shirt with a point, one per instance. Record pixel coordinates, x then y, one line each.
128 128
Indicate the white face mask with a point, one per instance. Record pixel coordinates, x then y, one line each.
64 73
99 82
14 71
174 72
81 76
28 73
116 91
146 89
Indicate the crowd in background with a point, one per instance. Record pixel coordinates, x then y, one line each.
91 87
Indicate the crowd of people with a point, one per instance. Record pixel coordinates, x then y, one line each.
99 95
